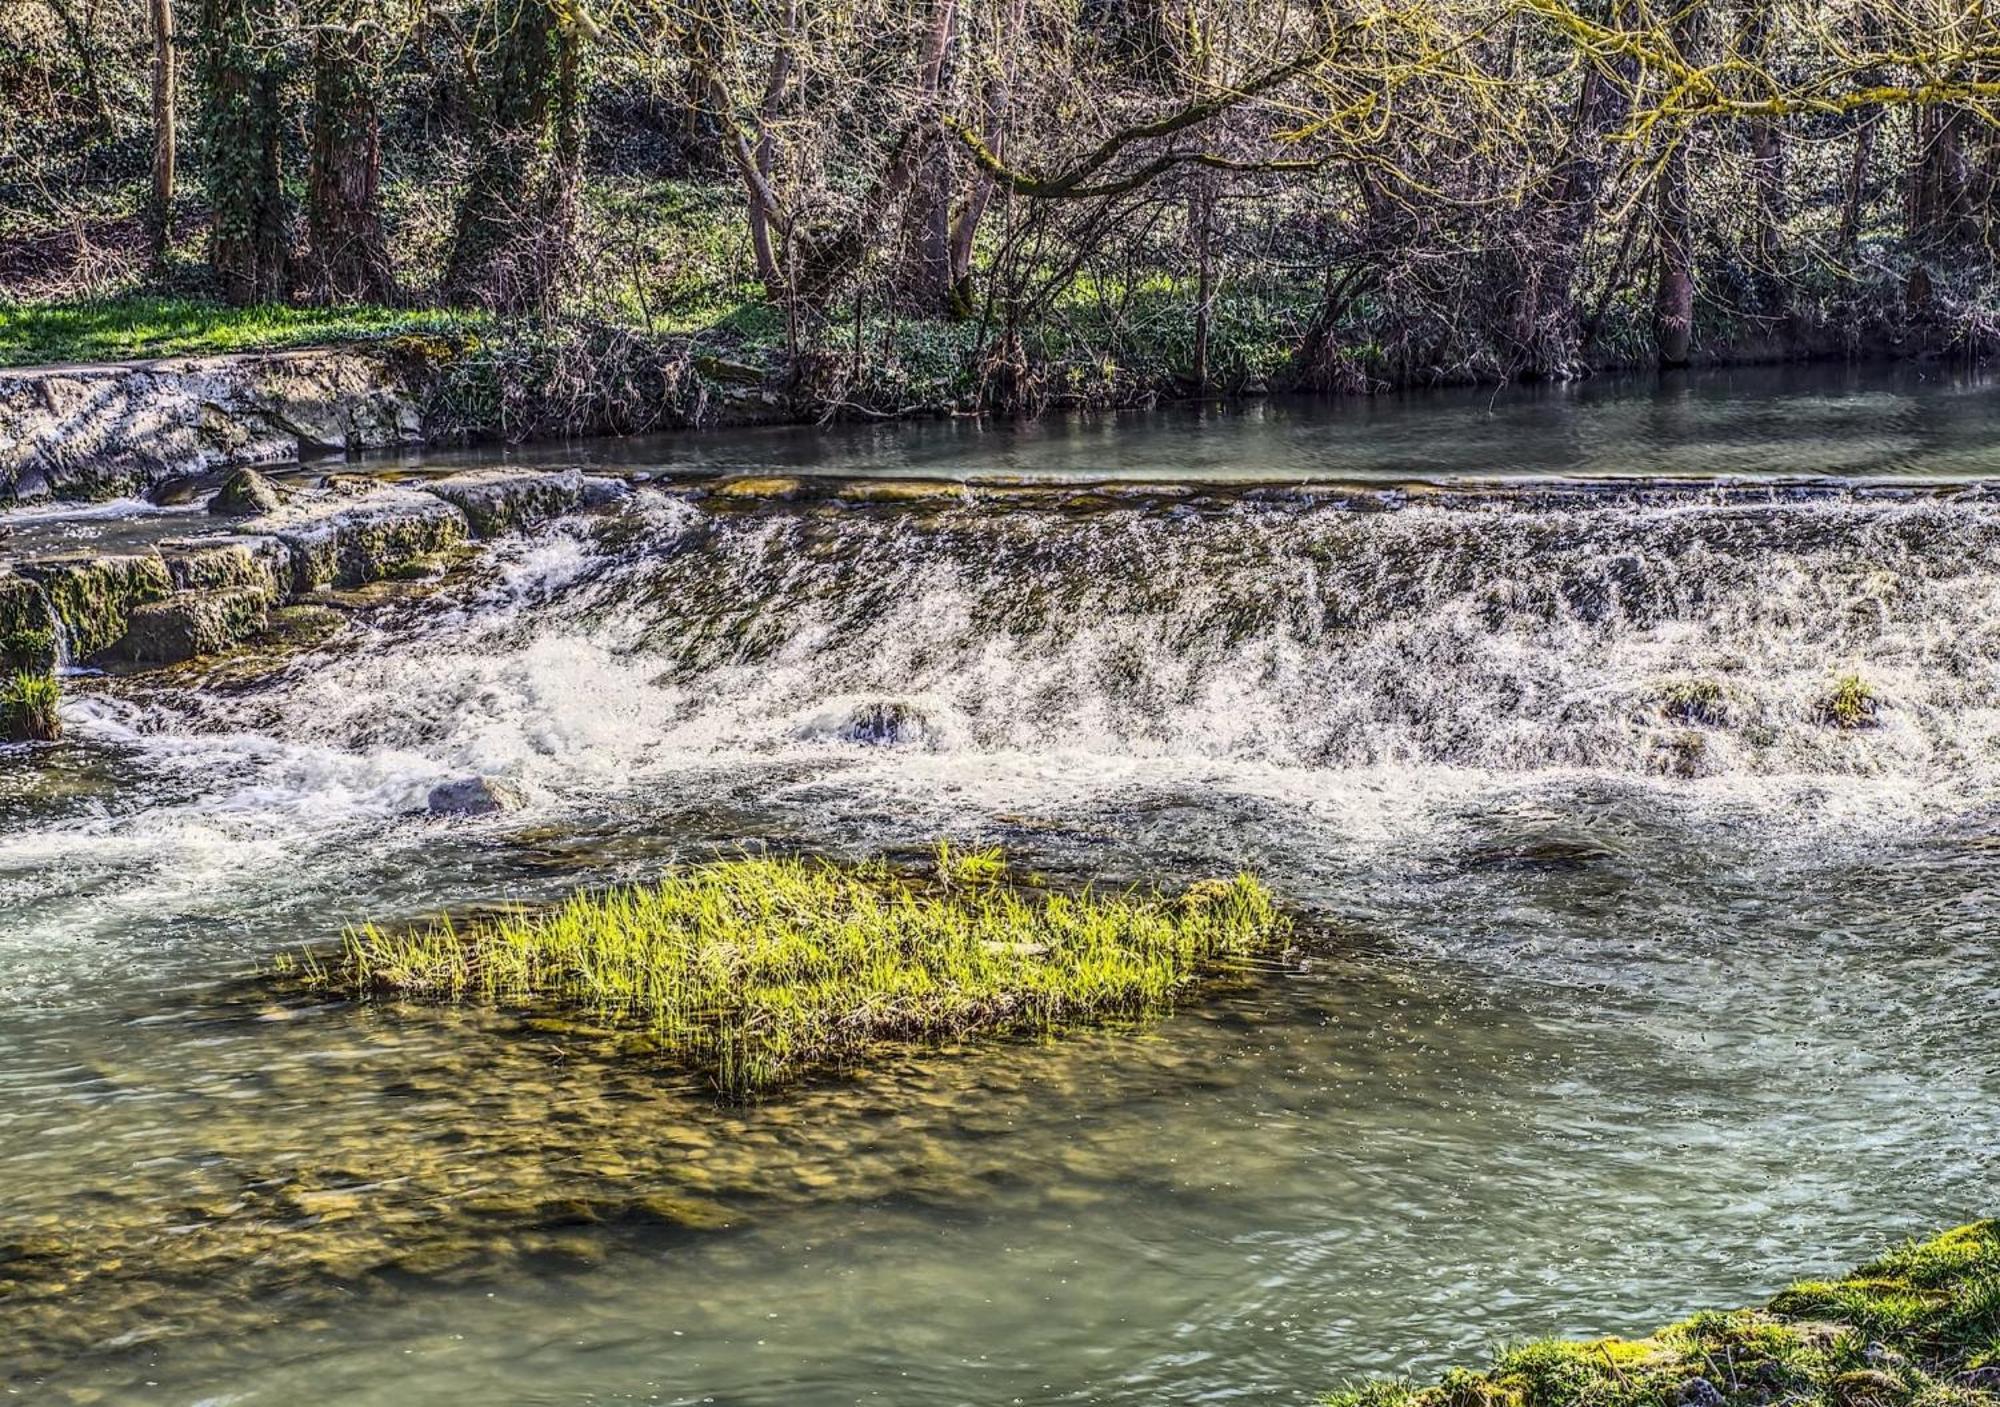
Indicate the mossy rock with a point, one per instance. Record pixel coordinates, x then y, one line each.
24 619
28 650
194 623
1927 1313
302 627
246 494
93 597
759 487
215 564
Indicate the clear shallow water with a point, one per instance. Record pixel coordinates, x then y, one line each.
1593 1024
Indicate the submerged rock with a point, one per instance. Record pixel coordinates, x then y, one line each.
474 796
1698 703
245 494
886 722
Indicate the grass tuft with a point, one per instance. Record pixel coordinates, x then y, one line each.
757 972
31 708
1918 1328
1851 703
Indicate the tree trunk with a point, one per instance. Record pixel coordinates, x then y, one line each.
755 157
926 276
1545 320
510 247
996 100
1856 196
1938 214
1673 300
343 210
243 138
1202 212
1767 156
160 211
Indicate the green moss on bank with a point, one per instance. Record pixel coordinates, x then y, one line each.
145 325
1919 1327
756 972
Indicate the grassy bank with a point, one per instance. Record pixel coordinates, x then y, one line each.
139 326
756 972
1919 1327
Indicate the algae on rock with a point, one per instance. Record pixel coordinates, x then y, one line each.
93 597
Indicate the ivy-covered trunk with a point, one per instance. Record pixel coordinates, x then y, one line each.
515 222
343 206
241 65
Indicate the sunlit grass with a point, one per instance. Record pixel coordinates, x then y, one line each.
141 326
757 971
30 707
1919 1327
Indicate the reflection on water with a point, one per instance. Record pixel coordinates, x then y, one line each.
1593 1024
1809 421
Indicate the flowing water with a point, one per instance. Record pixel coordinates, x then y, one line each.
1628 985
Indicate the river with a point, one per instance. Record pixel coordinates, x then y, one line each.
1628 984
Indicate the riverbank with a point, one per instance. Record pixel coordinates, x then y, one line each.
138 392
1920 1324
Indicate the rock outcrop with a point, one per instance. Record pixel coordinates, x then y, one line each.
506 500
200 595
99 431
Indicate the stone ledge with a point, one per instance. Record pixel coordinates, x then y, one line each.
98 431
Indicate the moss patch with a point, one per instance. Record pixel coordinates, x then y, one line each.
1919 1326
757 972
118 329
93 597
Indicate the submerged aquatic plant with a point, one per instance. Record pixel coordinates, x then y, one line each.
1920 1326
757 971
30 708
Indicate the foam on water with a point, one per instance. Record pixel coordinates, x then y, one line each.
1287 639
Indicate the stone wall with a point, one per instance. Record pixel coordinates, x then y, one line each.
101 431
